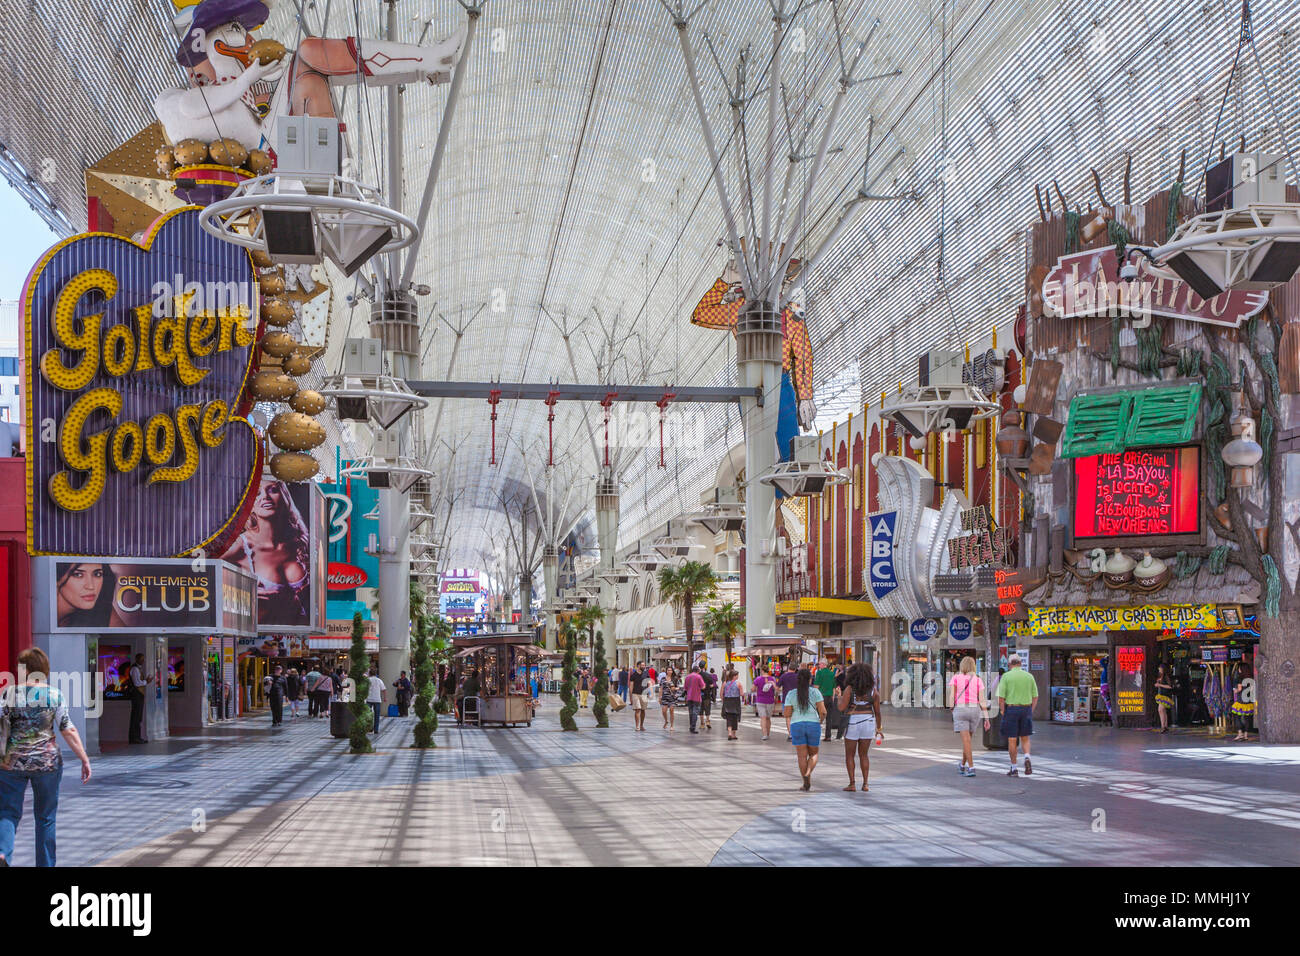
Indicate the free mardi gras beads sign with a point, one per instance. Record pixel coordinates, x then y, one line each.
136 357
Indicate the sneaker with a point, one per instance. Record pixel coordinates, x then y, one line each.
1029 767
1013 772
961 766
968 772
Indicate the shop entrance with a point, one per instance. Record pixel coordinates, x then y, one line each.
1078 685
1204 673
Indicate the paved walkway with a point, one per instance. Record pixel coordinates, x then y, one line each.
244 794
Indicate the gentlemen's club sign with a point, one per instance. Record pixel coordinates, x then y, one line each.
136 361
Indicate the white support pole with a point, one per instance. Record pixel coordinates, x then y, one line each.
440 148
767 251
742 260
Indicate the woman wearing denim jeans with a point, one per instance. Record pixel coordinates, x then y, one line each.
36 710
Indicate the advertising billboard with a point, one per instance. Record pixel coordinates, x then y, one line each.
460 594
136 358
1139 493
352 520
161 596
282 547
114 662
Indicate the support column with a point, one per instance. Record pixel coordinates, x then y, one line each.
607 538
393 321
525 599
550 579
758 359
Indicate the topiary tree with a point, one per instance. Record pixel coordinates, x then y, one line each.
601 701
426 718
586 620
568 685
362 717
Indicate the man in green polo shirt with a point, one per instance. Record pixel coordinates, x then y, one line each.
1017 695
824 680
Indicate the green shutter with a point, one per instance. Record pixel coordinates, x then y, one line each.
1164 416
1097 424
1101 424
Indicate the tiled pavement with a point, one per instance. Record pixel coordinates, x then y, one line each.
244 794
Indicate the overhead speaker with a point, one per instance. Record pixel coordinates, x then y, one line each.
290 235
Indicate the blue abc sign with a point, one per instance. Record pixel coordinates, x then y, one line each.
924 628
959 627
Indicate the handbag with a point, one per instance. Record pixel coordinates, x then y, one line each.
616 702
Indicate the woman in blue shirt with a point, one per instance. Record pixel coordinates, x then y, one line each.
804 711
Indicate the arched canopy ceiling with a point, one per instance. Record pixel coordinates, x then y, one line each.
574 225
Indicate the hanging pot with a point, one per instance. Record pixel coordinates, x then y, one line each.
1012 440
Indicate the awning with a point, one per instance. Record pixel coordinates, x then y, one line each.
826 609
658 619
341 644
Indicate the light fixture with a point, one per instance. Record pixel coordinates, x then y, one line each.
1020 393
1151 572
921 409
1119 568
1243 453
916 443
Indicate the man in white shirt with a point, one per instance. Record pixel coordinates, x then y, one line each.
376 694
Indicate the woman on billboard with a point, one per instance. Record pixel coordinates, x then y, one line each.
84 595
276 548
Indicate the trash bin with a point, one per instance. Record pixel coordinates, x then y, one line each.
993 739
340 718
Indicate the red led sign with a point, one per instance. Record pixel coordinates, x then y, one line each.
1140 492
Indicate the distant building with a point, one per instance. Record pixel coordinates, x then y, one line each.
11 399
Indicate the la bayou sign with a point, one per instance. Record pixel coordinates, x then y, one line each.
136 358
1087 284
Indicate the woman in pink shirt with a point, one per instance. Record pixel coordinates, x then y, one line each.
970 705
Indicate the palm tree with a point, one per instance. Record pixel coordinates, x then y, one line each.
723 623
685 586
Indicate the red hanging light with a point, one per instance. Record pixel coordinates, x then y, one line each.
606 403
663 405
494 397
551 398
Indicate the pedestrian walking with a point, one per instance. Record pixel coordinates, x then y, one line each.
584 685
859 701
824 680
804 712
1017 696
1165 697
786 682
276 687
319 688
29 753
707 697
636 685
970 708
376 694
841 718
765 687
293 691
668 696
624 681
731 704
695 688
405 691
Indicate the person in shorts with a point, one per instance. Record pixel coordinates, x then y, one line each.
765 699
859 701
636 680
1017 696
970 708
787 681
804 713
